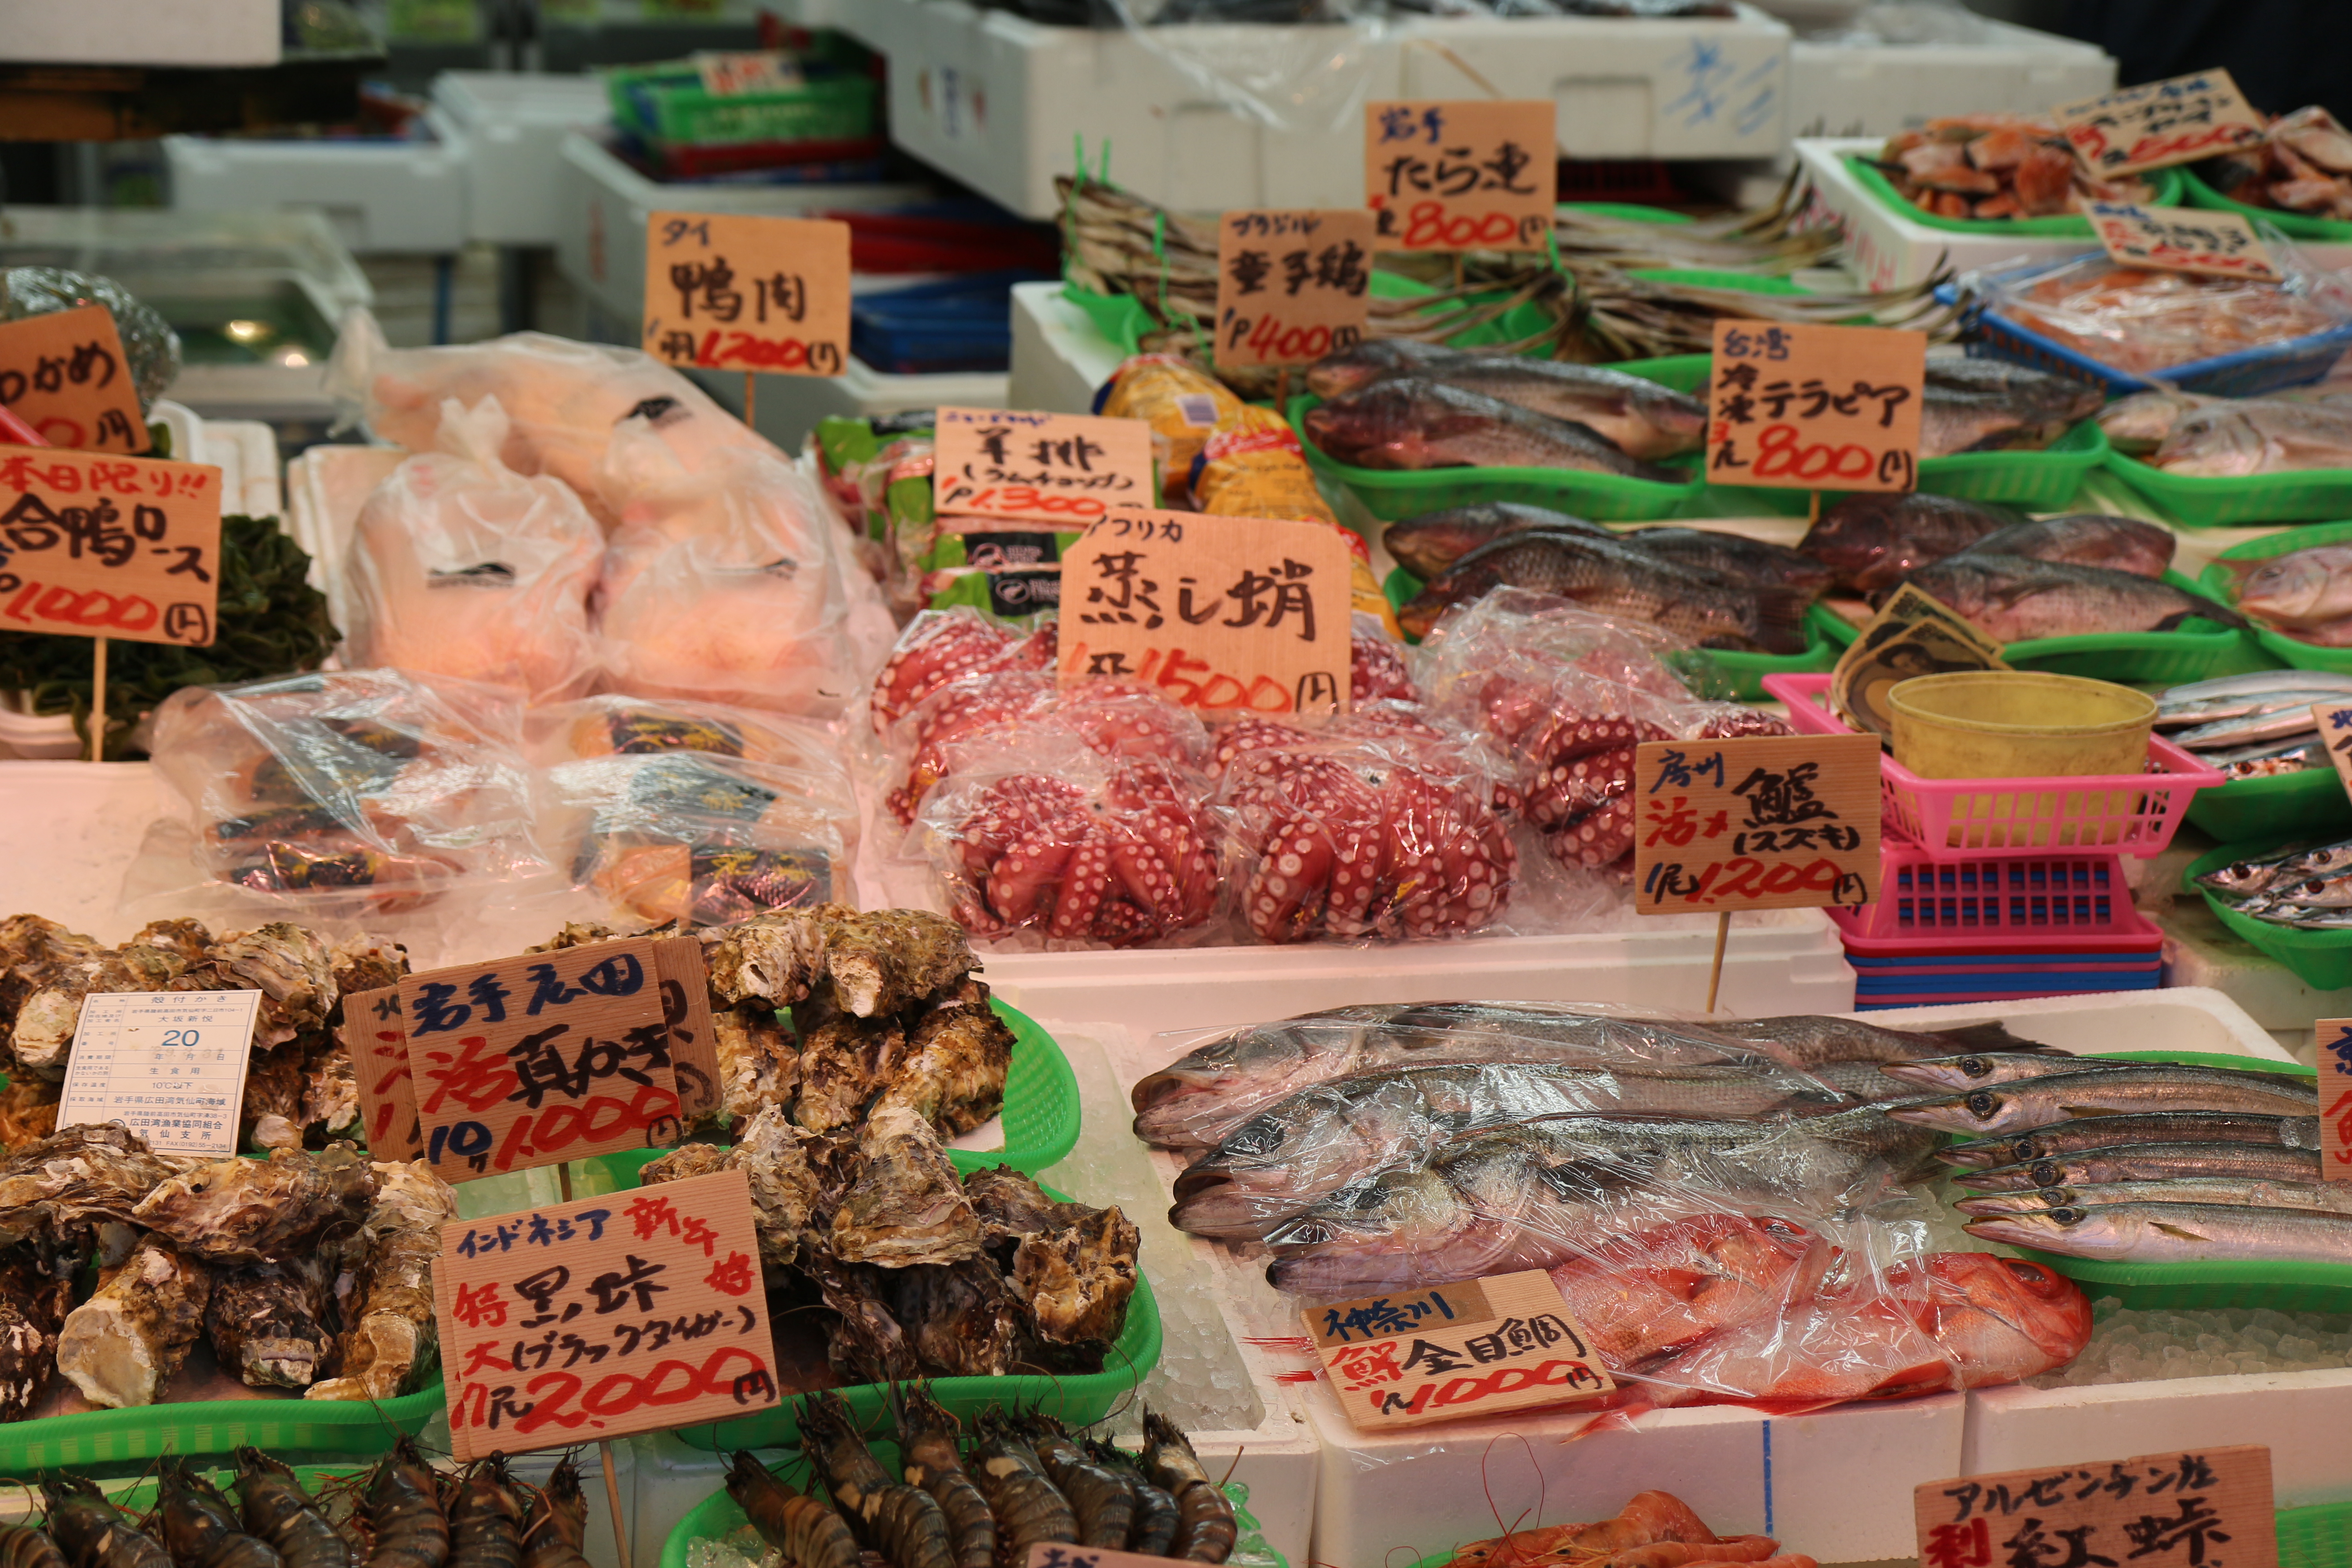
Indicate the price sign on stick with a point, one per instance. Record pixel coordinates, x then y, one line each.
169 1065
754 294
2335 1047
1478 1348
2159 123
1462 174
375 1038
602 1317
1218 613
1772 822
2207 1507
686 1011
108 547
1815 408
1291 285
64 373
1065 468
541 1059
2214 244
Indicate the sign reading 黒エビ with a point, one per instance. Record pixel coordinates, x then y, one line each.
1441 1352
762 294
2207 1507
1292 285
1772 822
1462 174
1815 408
1065 468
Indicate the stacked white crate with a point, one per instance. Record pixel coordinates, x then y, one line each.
513 126
382 195
1876 90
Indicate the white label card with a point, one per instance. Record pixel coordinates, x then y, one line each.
169 1065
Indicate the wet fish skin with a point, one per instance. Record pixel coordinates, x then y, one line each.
1809 1040
2137 1127
2176 1233
1978 1069
1410 421
2255 682
2243 878
2271 724
2301 588
1640 417
2257 436
1986 406
2150 1162
2120 1088
1426 545
2141 423
1874 540
1373 359
2086 538
1612 577
2334 1197
2011 598
1734 555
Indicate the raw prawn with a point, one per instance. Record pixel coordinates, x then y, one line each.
904 1523
403 1512
810 1534
1153 1528
200 1528
485 1520
1205 1527
275 1508
22 1546
556 1533
1677 1553
1027 1508
1098 1496
926 1441
92 1532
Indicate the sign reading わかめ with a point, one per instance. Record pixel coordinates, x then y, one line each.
64 373
2207 1507
115 547
732 292
1766 822
1292 285
630 1313
1816 408
1444 1352
1462 174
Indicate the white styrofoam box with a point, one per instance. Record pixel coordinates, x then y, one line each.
92 817
2199 950
1866 90
514 127
2177 1018
242 450
602 203
1058 357
789 406
146 32
1890 249
326 486
380 195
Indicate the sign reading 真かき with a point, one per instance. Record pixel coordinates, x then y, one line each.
1065 468
2156 124
2210 1508
731 292
2334 1037
114 547
2215 244
630 1313
64 373
1772 822
1815 408
1219 613
1445 1351
1292 285
1462 174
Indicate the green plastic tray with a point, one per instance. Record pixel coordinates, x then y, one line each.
2319 1537
2320 959
2166 183
2312 801
2201 500
1121 318
217 1427
2172 658
2216 581
2197 194
667 103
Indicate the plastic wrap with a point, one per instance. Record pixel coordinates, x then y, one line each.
1181 402
461 566
983 714
2141 321
940 646
149 343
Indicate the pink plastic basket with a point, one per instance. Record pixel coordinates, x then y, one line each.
2129 813
1999 904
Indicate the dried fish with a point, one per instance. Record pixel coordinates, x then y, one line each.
392 1330
265 1321
126 1341
244 1210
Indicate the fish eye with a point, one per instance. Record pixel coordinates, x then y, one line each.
2053 1197
1975 1067
2067 1216
1983 1103
2045 1172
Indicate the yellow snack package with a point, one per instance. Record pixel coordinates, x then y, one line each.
1253 468
1183 405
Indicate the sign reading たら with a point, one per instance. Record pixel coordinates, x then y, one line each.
1462 174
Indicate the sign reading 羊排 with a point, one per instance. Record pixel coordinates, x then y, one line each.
2207 1508
1218 613
2211 244
376 1040
541 1058
1441 1352
1462 174
1815 408
1770 822
2156 124
2334 1046
1065 468
732 292
114 547
630 1313
64 373
1292 285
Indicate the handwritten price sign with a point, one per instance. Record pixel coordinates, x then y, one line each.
2335 1045
1760 823
116 547
1291 285
1462 174
626 1313
1478 1348
2159 124
2199 1510
2215 244
1221 613
768 294
1815 408
1065 468
63 373
376 1039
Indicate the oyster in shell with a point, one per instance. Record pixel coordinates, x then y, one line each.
244 1210
126 1341
390 1301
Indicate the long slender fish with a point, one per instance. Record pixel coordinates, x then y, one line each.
2111 1092
2177 1233
2147 1127
2335 1197
2150 1162
1978 1069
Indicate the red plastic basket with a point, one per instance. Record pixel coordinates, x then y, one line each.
1997 904
2129 813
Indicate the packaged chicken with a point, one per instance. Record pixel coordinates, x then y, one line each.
2142 322
1181 402
461 566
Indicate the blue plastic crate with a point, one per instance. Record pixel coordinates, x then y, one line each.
957 324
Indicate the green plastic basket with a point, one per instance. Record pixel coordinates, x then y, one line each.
2216 581
275 1425
2312 801
2318 1537
669 103
2202 500
2320 959
2296 226
2171 659
2165 183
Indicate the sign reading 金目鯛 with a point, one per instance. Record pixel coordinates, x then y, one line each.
1771 822
1462 174
376 1040
64 373
630 1313
2211 244
1219 613
2334 1044
731 292
2158 123
1063 468
1292 284
1815 408
112 547
2209 1508
169 1065
1443 1352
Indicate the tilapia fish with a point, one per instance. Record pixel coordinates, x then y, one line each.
2116 1089
2149 1163
1873 542
1640 417
1614 578
1734 555
1410 421
2139 424
1376 359
2335 1197
2085 538
2258 437
1427 544
2300 591
2012 599
1987 406
2137 1127
2177 1233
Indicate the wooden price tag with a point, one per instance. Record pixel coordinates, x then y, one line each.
1815 408
1462 174
64 373
169 1065
2335 723
630 1313
2213 244
2335 1047
686 1011
1446 1352
2159 124
1291 284
2209 1507
115 547
764 294
376 1040
1219 613
541 1058
1773 822
1065 468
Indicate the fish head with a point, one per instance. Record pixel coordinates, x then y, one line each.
1202 1086
2031 1298
1367 363
2289 586
1400 1227
2067 1228
2031 1200
1945 1072
2014 1178
1377 425
1986 1110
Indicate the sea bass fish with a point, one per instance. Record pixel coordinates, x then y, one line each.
1987 406
1614 578
2116 1089
2176 1233
1660 1290
2010 598
2138 1127
2085 538
2334 1197
2150 1162
2301 588
1410 421
1874 540
1426 545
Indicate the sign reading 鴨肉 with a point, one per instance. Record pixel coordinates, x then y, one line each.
64 373
2334 1037
1462 174
1441 1353
1815 408
541 1058
2156 124
169 1065
1770 822
1065 468
376 1039
629 1312
1218 613
112 547
2209 1508
1292 285
2183 240
731 292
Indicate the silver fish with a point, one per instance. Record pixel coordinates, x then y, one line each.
2146 1127
2305 917
2176 1233
1978 1069
2119 1089
2150 1162
2335 1197
2271 764
1810 1039
2277 723
2245 878
2258 681
2292 748
2333 892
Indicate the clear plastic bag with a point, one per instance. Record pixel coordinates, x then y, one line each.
2141 321
940 646
461 566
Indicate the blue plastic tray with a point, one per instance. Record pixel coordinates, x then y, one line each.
957 324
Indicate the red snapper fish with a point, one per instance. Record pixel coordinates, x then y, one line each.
1661 1291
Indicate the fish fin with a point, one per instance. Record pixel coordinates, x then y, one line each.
2182 1232
1990 1037
2219 614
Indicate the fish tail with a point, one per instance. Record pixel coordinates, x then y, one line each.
1990 1037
